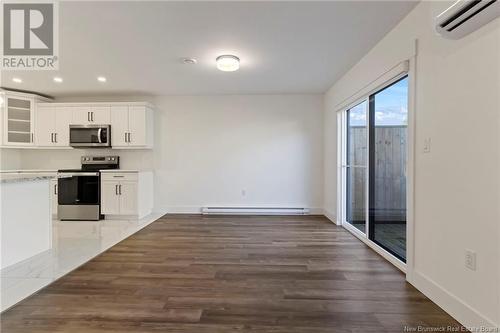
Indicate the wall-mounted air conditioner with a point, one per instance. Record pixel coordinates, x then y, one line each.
466 16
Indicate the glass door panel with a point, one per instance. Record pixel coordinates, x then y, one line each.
356 166
387 168
19 121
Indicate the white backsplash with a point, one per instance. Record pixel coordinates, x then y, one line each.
70 158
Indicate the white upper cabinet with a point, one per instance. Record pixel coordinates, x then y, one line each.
52 126
100 115
131 126
18 122
119 126
17 118
45 123
80 115
30 121
138 126
91 115
63 118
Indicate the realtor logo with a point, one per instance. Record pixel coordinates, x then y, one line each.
29 36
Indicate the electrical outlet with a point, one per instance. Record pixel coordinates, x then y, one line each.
470 259
427 145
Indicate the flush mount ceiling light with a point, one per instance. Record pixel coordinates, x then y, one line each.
17 80
101 79
189 61
228 63
58 79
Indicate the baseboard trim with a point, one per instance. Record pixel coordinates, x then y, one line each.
331 216
230 210
198 210
458 309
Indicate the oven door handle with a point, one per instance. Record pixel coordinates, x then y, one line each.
99 131
76 174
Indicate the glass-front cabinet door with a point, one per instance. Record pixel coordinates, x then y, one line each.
18 122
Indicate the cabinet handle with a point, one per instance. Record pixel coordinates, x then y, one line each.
118 176
88 116
116 189
52 137
55 189
32 137
92 116
55 137
120 187
125 134
129 137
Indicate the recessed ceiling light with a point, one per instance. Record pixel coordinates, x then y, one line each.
58 79
228 63
101 79
189 61
17 80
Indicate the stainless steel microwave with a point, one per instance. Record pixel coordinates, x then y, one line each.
91 136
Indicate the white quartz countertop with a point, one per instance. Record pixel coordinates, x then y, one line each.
16 177
37 171
123 170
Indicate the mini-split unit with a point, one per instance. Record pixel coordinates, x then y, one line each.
466 16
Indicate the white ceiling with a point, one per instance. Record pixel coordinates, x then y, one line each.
285 47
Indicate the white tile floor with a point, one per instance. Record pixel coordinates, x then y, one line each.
74 243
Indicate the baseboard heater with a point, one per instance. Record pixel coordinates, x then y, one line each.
254 211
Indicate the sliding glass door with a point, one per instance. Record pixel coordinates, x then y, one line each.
388 122
374 169
356 166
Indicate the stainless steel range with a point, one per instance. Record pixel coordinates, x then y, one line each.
79 191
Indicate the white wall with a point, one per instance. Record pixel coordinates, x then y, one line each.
10 159
456 185
208 150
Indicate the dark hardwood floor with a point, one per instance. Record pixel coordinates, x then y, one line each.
230 274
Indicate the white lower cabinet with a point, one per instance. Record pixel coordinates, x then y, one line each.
126 193
110 200
129 203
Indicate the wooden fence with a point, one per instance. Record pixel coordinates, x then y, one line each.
390 173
